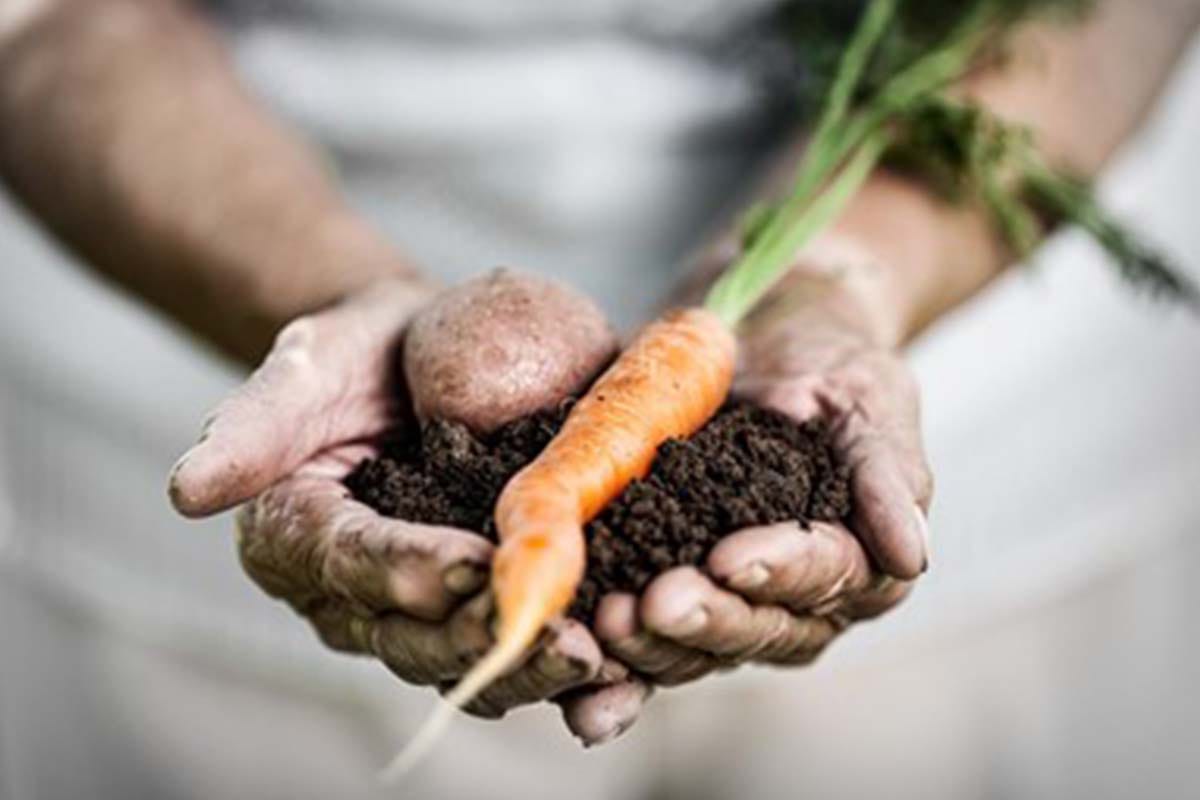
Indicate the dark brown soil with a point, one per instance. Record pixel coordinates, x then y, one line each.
747 466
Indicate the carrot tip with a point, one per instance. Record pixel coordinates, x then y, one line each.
420 745
500 659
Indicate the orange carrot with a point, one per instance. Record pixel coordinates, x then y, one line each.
669 381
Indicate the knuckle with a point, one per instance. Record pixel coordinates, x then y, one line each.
836 622
290 360
335 628
819 633
794 396
496 700
689 668
629 649
340 565
538 681
404 658
469 643
832 595
257 555
447 549
299 334
484 708
781 634
305 551
806 655
885 594
764 635
648 654
687 585
897 592
361 563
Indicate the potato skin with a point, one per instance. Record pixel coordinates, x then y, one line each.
501 346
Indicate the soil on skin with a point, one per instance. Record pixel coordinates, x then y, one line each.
747 466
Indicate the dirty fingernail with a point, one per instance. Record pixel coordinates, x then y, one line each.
187 492
205 434
750 577
464 578
184 460
174 490
689 625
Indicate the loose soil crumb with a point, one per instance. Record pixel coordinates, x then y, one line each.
747 466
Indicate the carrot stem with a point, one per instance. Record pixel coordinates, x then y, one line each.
843 150
740 288
851 67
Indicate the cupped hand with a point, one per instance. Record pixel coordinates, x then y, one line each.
411 595
779 594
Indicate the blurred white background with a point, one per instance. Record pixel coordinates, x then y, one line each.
1050 653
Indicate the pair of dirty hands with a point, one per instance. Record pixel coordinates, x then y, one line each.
415 596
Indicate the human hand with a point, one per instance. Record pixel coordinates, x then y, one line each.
779 594
407 594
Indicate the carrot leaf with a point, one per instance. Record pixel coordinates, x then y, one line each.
886 99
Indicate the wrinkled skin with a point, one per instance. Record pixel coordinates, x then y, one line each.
412 595
780 594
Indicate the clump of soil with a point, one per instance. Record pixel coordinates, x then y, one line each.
747 466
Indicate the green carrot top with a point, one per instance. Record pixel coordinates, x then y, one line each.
886 99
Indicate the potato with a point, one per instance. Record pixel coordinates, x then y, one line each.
501 346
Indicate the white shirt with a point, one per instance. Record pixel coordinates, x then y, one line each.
595 140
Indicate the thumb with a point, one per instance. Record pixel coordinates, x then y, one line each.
265 429
328 379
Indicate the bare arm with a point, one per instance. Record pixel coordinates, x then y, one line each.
826 345
123 129
1082 88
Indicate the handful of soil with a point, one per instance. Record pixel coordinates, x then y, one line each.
747 466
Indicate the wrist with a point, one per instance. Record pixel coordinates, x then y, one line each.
923 255
330 256
320 261
836 286
897 259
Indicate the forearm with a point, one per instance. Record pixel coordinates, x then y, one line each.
898 258
123 128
